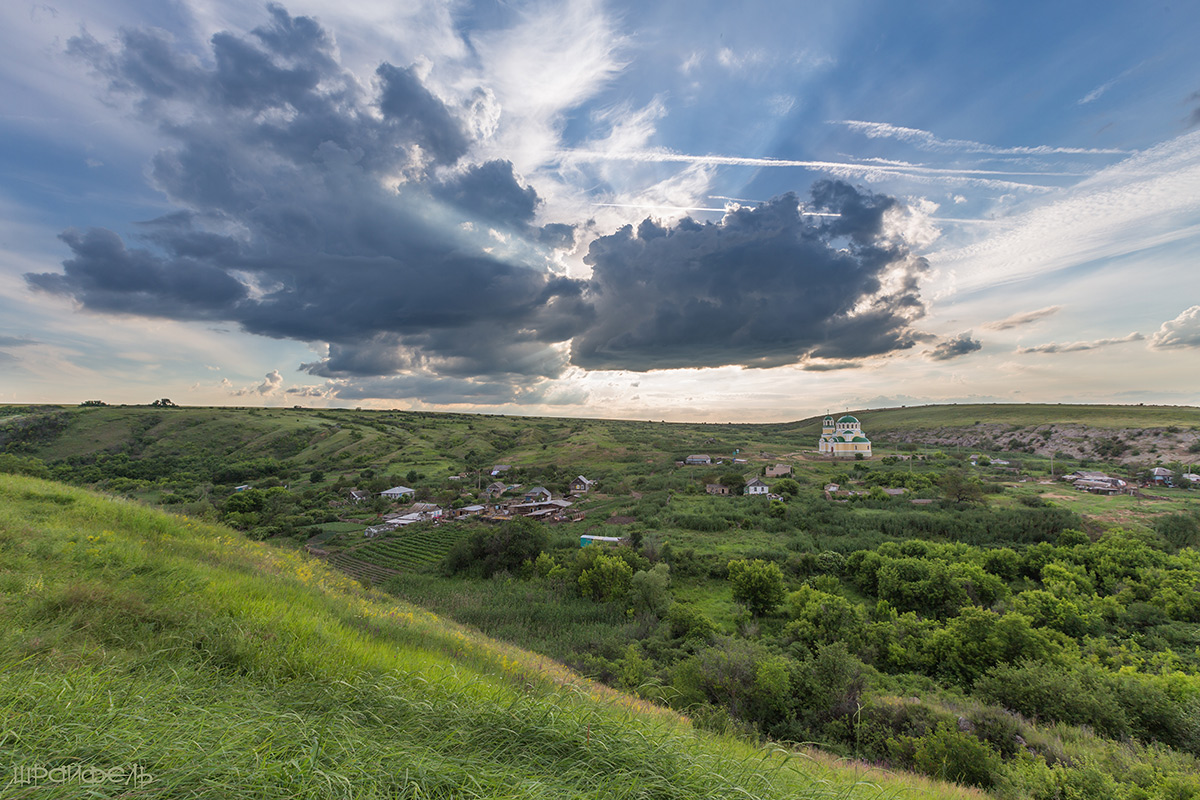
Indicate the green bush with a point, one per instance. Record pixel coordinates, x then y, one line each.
952 755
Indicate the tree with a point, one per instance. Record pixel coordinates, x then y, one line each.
316 476
608 578
757 584
961 488
502 549
786 486
163 403
736 481
648 590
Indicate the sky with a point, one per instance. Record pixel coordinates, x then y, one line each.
685 211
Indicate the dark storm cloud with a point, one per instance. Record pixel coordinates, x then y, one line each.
763 287
277 164
310 207
954 347
418 116
106 276
490 191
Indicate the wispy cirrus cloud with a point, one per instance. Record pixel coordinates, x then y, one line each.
926 140
1144 201
1076 347
1022 318
866 170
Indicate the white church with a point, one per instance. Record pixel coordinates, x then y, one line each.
843 438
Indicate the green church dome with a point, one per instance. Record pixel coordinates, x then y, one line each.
849 418
861 439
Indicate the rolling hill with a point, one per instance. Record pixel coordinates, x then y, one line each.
441 444
173 658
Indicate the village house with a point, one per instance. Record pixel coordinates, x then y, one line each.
397 492
500 469
470 511
359 495
537 493
755 486
698 460
496 488
779 470
581 485
1161 475
716 488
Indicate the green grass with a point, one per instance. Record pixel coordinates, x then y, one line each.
226 668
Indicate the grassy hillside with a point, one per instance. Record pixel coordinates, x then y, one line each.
225 668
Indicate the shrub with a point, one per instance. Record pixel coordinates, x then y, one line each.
952 755
687 621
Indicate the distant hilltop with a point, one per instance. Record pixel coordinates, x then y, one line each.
1115 433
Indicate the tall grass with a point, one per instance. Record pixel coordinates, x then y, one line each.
224 668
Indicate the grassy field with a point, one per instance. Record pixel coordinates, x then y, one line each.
214 667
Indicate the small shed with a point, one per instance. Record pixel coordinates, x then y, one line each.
698 459
716 488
